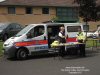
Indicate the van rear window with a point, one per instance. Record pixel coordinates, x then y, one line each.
73 28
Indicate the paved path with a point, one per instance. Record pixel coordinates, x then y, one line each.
47 65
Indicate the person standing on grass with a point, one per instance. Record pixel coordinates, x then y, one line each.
81 39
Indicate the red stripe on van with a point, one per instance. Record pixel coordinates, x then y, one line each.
42 42
71 40
29 43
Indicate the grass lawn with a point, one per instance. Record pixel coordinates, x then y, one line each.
1 43
89 43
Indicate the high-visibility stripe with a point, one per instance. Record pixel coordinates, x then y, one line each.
71 39
29 43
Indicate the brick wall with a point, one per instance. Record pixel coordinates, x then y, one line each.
36 17
21 17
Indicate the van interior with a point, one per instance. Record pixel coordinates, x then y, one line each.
52 33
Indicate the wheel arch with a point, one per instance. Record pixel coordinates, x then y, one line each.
24 48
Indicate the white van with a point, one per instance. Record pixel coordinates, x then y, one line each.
36 38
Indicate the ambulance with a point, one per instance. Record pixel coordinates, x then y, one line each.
36 38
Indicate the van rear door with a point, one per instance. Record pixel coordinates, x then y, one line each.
72 31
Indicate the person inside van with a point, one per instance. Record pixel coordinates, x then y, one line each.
41 31
49 37
62 39
81 39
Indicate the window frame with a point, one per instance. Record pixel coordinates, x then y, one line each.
11 10
45 10
28 10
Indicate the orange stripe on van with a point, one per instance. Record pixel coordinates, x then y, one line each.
29 43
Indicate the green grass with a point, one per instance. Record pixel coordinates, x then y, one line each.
1 43
89 43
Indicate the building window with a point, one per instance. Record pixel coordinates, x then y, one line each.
67 14
11 10
28 10
45 10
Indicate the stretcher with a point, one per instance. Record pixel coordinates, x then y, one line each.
69 45
57 44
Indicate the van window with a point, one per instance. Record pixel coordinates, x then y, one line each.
38 30
23 31
31 33
86 28
73 28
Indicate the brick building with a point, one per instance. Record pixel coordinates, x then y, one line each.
37 11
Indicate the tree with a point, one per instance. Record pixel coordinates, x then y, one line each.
87 9
54 19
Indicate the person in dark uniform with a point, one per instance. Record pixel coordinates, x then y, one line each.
81 39
41 31
49 37
62 40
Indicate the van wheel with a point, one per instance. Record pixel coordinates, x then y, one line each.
21 54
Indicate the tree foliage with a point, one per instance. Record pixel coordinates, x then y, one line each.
87 9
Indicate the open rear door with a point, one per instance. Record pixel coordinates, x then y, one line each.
52 32
72 31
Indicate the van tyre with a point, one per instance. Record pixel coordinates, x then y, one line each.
22 54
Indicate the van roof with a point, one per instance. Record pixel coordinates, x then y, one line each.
48 24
